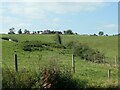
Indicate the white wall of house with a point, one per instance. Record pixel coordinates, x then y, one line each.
40 32
10 40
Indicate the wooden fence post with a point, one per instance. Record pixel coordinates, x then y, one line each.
16 65
73 63
115 61
109 72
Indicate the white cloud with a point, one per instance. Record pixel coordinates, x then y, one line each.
40 10
109 27
24 14
56 19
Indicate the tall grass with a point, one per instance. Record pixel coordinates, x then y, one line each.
50 77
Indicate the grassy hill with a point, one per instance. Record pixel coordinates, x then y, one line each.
94 74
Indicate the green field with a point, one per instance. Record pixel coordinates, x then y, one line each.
96 75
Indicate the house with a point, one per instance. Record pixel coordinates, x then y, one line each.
31 32
46 32
40 32
10 39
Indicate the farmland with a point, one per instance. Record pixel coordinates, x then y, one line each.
94 74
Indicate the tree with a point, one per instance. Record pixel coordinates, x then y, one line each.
11 30
34 32
101 33
26 31
106 35
19 31
76 33
58 39
69 31
38 32
94 34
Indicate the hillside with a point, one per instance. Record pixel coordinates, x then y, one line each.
94 74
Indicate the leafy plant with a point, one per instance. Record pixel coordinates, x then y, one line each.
55 77
87 53
58 39
21 79
5 38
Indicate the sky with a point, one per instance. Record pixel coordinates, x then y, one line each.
80 17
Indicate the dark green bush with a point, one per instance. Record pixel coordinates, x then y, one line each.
58 46
38 45
5 38
58 39
50 77
87 53
54 77
31 45
71 44
15 40
26 48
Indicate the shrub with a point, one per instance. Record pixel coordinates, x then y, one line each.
38 45
70 44
15 40
58 39
5 38
21 79
87 53
53 77
31 45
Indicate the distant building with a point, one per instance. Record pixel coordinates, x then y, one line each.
31 32
10 39
41 32
46 32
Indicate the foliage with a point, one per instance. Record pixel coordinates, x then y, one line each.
55 32
71 44
11 30
95 74
5 38
39 46
69 31
19 31
26 31
88 53
54 77
58 39
101 33
31 45
21 79
50 77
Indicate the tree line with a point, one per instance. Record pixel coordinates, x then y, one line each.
69 32
12 31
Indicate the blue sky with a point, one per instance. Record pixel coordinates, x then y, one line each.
81 17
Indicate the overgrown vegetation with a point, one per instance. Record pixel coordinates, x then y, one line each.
82 50
21 79
85 52
50 77
12 38
58 39
87 74
38 45
5 38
